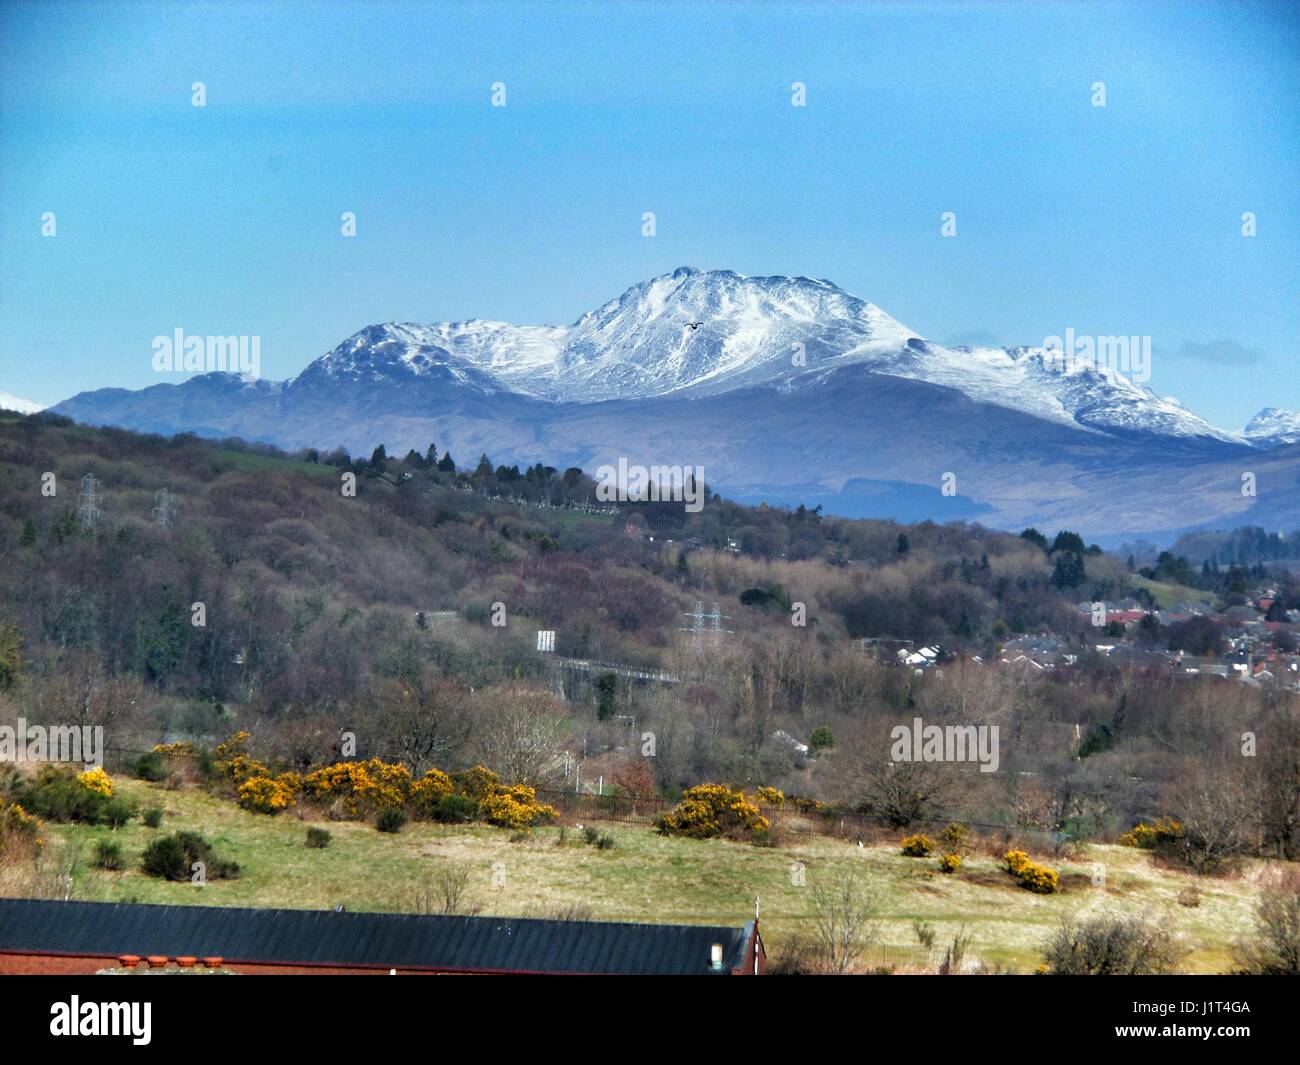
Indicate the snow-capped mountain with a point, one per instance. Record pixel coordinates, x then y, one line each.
786 389
1273 427
22 406
693 333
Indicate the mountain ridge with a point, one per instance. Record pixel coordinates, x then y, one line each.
775 384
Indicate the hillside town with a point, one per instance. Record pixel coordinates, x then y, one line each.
1257 644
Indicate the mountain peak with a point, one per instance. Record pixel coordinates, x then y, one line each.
1273 427
693 333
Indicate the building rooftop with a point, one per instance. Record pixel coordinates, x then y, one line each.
373 940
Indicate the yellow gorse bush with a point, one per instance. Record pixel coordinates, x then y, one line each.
708 810
1147 837
1031 874
516 807
918 845
13 818
769 796
267 796
949 863
97 781
478 783
362 787
430 790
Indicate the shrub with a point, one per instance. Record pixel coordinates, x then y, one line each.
478 783
118 812
18 827
150 767
769 796
152 817
13 818
822 739
173 858
58 793
428 792
390 820
955 837
516 807
709 810
590 833
455 809
1112 946
917 846
1274 950
267 796
96 780
1163 832
318 838
231 761
949 863
108 855
165 858
1031 874
605 842
360 788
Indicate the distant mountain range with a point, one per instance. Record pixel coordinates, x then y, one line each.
786 389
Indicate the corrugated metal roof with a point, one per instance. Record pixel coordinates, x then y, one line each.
325 937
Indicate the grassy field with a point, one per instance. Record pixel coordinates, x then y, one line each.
647 877
1166 593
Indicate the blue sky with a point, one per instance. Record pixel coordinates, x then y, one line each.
225 219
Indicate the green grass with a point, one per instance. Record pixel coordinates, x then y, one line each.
647 877
247 460
1166 593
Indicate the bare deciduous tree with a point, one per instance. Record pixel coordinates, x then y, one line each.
424 720
447 891
520 734
844 921
1113 945
1275 948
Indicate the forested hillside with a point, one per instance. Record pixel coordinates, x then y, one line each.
258 595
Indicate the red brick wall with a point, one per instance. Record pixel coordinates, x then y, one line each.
57 965
64 965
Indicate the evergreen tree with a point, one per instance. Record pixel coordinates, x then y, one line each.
606 695
1034 537
1067 541
1069 571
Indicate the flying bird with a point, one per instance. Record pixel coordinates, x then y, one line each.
695 325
